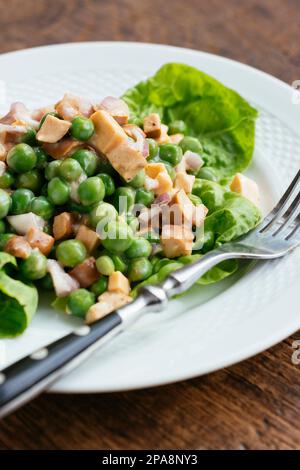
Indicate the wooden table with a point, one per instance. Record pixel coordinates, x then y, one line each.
254 404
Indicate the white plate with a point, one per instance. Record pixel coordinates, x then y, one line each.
212 327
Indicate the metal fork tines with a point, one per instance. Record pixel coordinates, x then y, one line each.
284 219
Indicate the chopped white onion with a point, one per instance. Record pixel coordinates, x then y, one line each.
193 161
156 248
150 183
63 283
23 222
19 112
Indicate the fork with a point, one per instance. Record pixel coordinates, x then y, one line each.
274 237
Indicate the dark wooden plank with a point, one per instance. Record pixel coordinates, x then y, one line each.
254 404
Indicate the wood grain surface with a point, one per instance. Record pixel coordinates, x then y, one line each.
253 405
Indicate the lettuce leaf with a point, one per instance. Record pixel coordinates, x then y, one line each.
18 301
230 215
222 120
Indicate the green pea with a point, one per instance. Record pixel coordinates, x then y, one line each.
192 144
153 148
42 207
105 265
31 180
139 269
132 221
21 158
124 197
177 127
71 252
5 203
82 128
79 302
151 236
108 183
119 237
207 174
99 286
170 153
139 248
51 113
4 238
138 180
21 201
143 196
46 282
6 180
58 191
91 191
69 169
35 266
154 159
104 212
52 169
87 159
2 227
29 137
42 158
119 263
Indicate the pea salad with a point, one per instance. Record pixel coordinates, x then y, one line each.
99 198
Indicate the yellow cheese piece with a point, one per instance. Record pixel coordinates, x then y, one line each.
165 184
176 240
182 208
107 303
118 282
246 187
153 169
184 181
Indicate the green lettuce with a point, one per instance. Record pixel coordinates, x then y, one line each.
230 215
18 301
222 120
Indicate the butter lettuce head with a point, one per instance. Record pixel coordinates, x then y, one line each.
18 301
222 120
